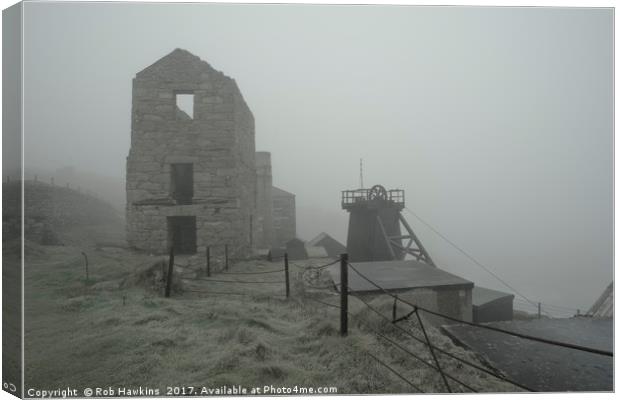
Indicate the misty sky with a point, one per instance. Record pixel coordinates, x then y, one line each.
497 122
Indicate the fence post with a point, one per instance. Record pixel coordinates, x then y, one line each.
208 261
226 256
394 311
86 265
169 277
344 293
288 289
538 310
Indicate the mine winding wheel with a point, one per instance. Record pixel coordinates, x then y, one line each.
377 192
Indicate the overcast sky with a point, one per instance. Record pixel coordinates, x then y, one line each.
497 122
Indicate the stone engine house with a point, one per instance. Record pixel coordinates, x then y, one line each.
191 175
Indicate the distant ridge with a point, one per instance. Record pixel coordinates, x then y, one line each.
50 210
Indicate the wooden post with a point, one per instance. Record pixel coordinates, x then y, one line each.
226 256
344 293
169 277
288 289
251 230
538 310
86 265
208 261
394 310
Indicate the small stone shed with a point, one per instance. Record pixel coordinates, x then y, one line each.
417 282
491 305
333 247
296 249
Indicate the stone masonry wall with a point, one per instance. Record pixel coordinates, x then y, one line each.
218 141
284 223
264 209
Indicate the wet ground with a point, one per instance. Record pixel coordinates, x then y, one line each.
545 367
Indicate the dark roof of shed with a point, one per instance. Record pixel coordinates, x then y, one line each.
322 236
480 295
398 275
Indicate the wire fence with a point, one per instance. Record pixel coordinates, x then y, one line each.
541 308
549 310
416 310
438 355
52 181
487 327
204 275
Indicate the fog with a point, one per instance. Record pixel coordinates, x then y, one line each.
497 122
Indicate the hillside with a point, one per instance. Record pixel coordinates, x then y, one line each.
116 329
55 215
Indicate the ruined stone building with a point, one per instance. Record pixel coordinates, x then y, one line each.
276 220
191 175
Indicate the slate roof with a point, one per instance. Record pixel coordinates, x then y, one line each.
322 236
481 296
398 275
316 252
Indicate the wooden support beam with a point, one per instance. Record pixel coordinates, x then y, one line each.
344 294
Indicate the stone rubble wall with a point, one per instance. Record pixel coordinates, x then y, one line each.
284 224
264 220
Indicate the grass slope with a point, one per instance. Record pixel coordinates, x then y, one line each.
116 331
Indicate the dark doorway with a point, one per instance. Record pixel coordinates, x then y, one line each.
182 234
182 183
